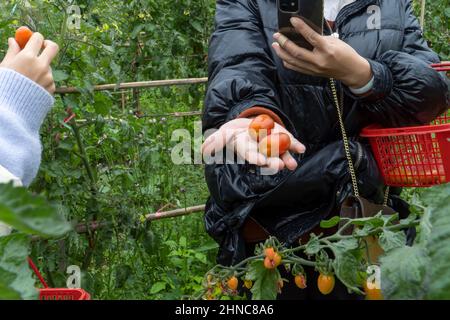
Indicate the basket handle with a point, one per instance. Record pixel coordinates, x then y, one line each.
441 67
36 271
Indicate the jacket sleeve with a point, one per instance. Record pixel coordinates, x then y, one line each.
23 107
241 70
407 91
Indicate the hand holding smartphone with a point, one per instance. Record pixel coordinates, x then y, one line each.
310 11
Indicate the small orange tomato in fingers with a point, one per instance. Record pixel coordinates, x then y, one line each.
275 145
261 127
325 283
23 34
232 283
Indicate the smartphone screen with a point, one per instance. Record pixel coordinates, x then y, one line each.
311 11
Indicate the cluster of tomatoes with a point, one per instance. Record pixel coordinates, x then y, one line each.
275 144
325 282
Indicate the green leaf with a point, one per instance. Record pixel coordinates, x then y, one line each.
313 245
391 240
265 281
123 272
327 224
347 244
102 104
59 75
390 219
15 276
346 266
376 221
438 245
402 273
30 214
158 287
6 292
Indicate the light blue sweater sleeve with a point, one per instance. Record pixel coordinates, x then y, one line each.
23 107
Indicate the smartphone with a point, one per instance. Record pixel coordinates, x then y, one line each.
311 11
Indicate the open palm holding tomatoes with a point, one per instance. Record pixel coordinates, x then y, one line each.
238 135
31 55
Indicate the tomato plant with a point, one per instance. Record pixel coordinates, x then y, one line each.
348 262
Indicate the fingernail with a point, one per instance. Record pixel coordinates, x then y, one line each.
276 36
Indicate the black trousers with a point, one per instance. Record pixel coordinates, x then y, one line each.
291 292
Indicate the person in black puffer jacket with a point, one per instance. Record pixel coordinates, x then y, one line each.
381 65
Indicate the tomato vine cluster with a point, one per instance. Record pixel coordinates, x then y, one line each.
346 257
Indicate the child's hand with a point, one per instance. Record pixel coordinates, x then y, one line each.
30 62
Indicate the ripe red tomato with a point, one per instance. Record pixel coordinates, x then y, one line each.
275 145
23 34
261 127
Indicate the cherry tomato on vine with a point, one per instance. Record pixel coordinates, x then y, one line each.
23 34
372 293
275 145
272 263
261 127
248 284
300 281
232 283
325 283
269 252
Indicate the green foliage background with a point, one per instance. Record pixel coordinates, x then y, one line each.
114 166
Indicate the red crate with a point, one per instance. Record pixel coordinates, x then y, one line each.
412 156
60 293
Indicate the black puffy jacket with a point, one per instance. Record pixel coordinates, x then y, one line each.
244 72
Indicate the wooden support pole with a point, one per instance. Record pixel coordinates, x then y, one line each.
422 14
174 213
82 228
136 85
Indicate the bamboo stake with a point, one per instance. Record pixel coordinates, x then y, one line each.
174 213
422 14
135 85
93 226
173 114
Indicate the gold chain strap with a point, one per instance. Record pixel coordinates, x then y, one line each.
351 166
348 154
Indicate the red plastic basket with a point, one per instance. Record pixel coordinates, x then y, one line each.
412 156
60 293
